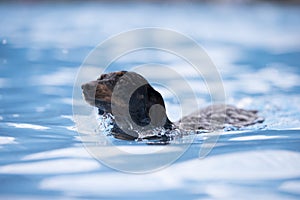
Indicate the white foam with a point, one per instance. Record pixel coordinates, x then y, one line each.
51 166
29 126
257 137
7 140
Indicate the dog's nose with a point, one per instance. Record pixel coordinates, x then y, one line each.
89 86
85 86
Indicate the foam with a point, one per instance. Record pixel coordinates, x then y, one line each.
55 166
28 126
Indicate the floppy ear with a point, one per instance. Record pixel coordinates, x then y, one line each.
156 109
147 106
154 97
138 106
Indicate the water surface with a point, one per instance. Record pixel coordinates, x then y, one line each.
256 49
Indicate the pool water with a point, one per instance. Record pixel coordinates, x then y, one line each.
256 49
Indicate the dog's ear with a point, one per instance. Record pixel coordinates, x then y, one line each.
156 107
138 106
154 97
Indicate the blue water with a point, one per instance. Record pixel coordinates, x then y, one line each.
256 49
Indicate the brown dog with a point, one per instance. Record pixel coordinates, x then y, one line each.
120 92
112 91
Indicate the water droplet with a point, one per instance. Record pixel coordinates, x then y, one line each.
4 41
105 123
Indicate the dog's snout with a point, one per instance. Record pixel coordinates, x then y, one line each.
89 86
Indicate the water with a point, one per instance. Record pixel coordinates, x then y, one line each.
256 50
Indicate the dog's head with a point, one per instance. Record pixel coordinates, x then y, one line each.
115 88
99 92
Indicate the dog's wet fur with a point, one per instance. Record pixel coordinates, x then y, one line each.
99 93
102 94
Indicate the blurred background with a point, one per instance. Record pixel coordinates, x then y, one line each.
255 45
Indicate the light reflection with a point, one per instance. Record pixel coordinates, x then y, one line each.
7 140
257 137
27 126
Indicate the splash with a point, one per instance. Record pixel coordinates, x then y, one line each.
106 124
160 135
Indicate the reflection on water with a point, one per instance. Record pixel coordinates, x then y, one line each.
255 48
